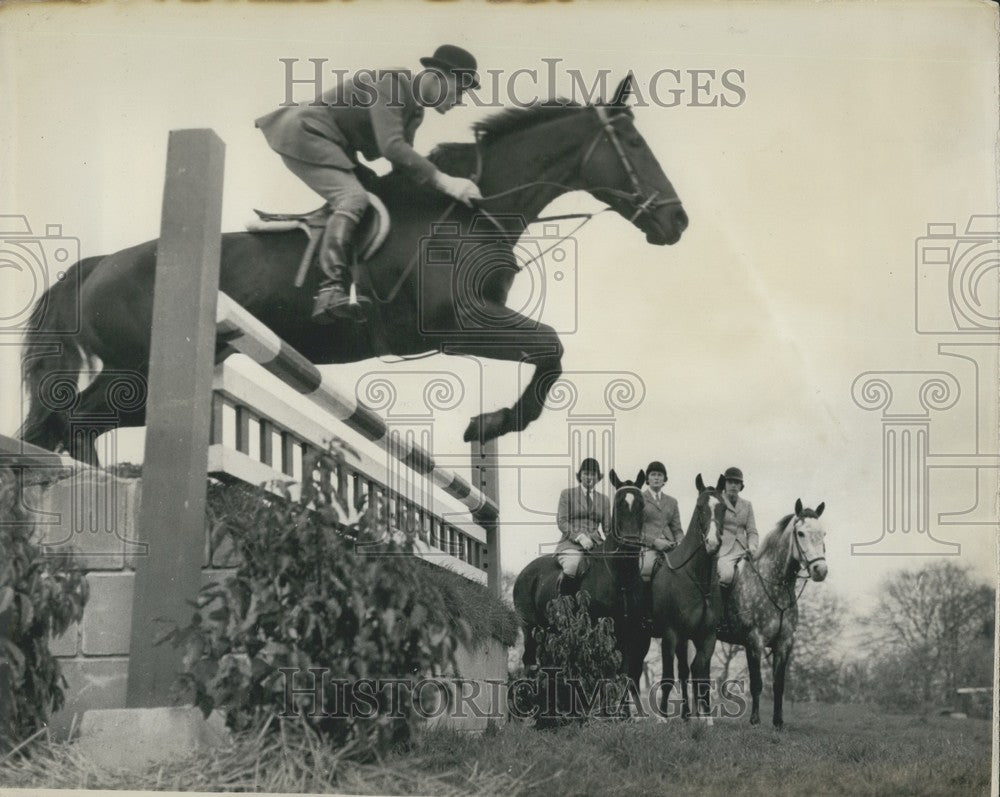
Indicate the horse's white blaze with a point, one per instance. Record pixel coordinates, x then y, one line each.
714 539
629 499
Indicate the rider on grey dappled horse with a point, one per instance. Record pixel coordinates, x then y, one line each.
319 143
739 531
583 514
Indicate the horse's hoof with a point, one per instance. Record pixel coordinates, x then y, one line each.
755 720
488 426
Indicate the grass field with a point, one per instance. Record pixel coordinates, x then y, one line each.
851 750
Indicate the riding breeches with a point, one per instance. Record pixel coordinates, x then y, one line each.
727 565
649 556
569 560
340 188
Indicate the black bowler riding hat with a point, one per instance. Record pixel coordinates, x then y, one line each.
449 58
589 465
656 467
734 475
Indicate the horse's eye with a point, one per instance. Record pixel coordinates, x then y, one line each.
802 534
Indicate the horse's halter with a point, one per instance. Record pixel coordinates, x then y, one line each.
642 203
803 561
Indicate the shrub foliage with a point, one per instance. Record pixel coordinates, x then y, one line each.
579 666
41 595
318 587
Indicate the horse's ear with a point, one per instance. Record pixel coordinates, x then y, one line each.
720 485
620 98
699 483
820 508
640 479
613 478
798 506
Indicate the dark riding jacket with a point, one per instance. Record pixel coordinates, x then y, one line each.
575 517
374 114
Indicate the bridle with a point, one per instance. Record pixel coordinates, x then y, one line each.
642 203
637 198
704 543
801 559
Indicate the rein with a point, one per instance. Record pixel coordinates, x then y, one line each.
642 203
798 575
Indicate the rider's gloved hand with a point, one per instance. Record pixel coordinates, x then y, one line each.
458 188
585 542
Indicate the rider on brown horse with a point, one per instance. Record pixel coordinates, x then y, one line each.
378 117
739 530
661 527
582 513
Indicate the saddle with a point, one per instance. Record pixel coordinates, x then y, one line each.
372 231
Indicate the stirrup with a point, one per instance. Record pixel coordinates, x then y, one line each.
325 312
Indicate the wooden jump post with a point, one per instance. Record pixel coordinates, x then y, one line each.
188 311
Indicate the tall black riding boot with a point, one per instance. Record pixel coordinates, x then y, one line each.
567 585
333 300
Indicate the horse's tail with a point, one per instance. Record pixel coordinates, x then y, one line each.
51 347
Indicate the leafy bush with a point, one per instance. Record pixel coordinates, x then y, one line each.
41 595
578 677
317 587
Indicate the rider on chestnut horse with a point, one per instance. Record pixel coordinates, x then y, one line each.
319 143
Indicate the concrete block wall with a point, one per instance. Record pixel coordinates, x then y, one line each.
97 516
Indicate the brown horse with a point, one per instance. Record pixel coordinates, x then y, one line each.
686 605
611 579
436 286
762 610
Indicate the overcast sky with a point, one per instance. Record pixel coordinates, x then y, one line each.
859 125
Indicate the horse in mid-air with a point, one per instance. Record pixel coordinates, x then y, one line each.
439 283
610 576
762 609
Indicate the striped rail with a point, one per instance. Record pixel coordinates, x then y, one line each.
257 437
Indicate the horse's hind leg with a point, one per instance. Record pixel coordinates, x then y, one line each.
115 399
530 656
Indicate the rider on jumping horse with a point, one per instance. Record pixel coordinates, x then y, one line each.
378 117
582 510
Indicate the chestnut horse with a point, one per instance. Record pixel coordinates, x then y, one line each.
686 604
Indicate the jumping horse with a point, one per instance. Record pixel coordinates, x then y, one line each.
610 577
96 321
686 603
762 609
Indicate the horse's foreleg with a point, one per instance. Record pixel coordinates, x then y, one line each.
541 347
683 674
782 653
756 685
667 643
702 668
530 656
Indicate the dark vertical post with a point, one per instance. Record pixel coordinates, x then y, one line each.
178 412
486 478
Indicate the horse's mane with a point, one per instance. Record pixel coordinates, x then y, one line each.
771 540
460 158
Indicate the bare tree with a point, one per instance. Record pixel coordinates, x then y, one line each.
818 655
930 628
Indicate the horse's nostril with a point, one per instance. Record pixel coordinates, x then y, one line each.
681 220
